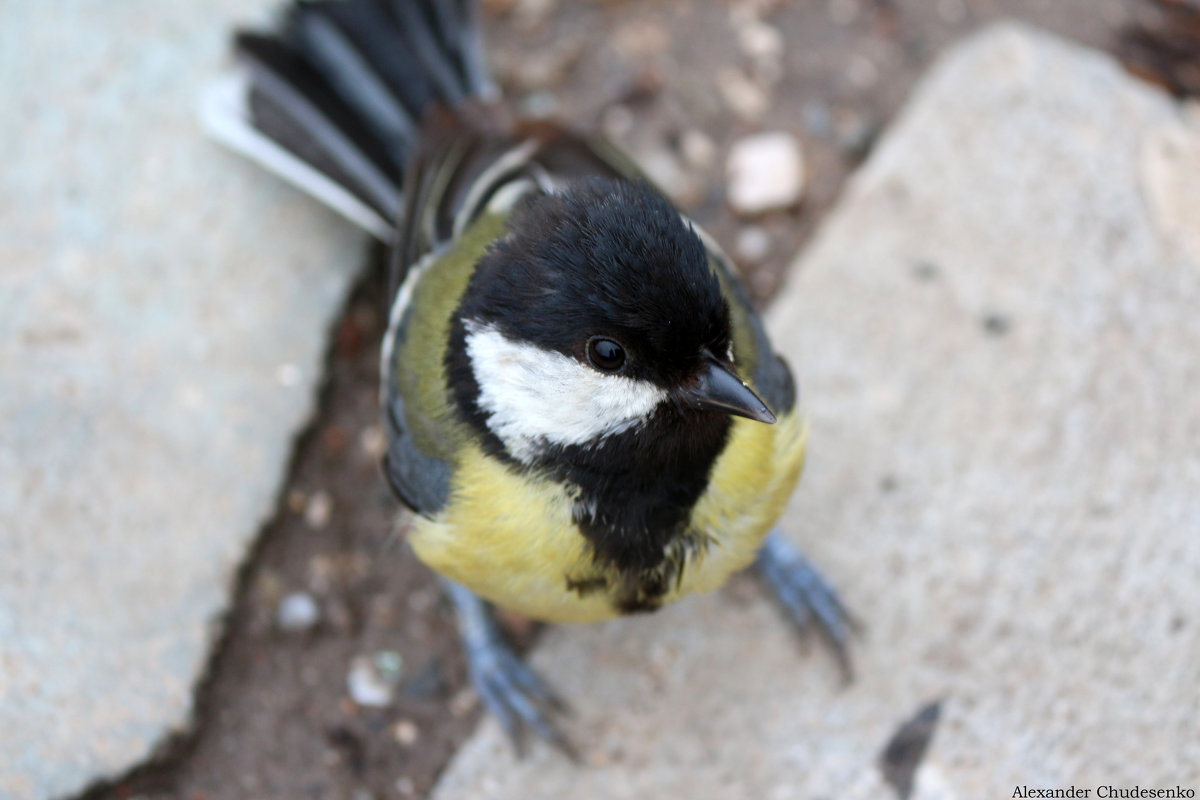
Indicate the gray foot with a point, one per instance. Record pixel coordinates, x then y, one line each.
508 687
806 596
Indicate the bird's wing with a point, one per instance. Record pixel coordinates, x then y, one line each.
424 432
421 481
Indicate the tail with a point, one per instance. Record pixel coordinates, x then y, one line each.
332 101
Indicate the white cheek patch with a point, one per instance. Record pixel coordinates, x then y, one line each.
537 397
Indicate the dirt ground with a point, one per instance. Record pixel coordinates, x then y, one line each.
674 82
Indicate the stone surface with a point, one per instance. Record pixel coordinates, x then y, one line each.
996 334
164 308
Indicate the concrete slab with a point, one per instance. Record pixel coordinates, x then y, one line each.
998 341
163 313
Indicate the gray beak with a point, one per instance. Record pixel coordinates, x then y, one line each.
719 389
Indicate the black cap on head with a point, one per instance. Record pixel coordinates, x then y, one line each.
604 258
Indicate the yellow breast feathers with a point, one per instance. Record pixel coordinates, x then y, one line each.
511 538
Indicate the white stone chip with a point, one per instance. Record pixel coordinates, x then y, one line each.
372 679
765 172
752 245
742 95
298 612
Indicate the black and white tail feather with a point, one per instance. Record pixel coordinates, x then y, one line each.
384 111
333 100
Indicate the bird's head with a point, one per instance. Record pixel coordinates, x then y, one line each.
598 311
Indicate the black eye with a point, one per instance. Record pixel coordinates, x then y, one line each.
605 354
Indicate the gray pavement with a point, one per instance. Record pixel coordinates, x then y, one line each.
997 337
163 312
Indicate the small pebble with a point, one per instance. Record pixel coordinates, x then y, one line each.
373 441
390 664
765 172
760 40
698 149
406 732
753 245
405 786
372 680
318 510
742 96
640 39
298 612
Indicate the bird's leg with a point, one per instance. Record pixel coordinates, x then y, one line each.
806 596
508 687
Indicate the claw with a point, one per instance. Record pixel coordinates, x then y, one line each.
806 596
513 692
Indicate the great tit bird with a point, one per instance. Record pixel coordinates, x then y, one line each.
582 406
